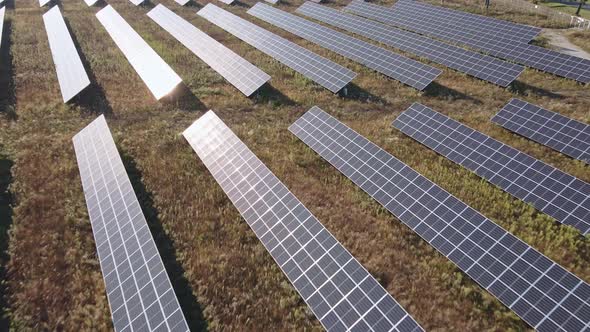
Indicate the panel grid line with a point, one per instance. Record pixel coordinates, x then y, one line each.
560 195
339 291
523 279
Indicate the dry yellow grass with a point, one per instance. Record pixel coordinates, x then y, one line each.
223 275
581 38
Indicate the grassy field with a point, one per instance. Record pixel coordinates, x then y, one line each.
581 38
225 279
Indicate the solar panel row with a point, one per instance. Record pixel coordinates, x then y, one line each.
548 128
141 297
319 69
239 72
529 55
560 195
398 67
468 23
157 74
71 73
541 292
339 291
472 63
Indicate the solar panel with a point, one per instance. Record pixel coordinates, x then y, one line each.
239 72
560 195
155 73
140 295
90 2
337 288
398 67
2 12
541 292
274 2
552 129
182 2
468 23
328 74
43 2
137 2
475 64
71 73
227 2
529 55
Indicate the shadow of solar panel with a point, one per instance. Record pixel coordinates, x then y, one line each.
337 288
541 292
328 74
239 72
155 73
478 65
398 67
529 55
477 25
560 195
552 129
71 73
140 295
